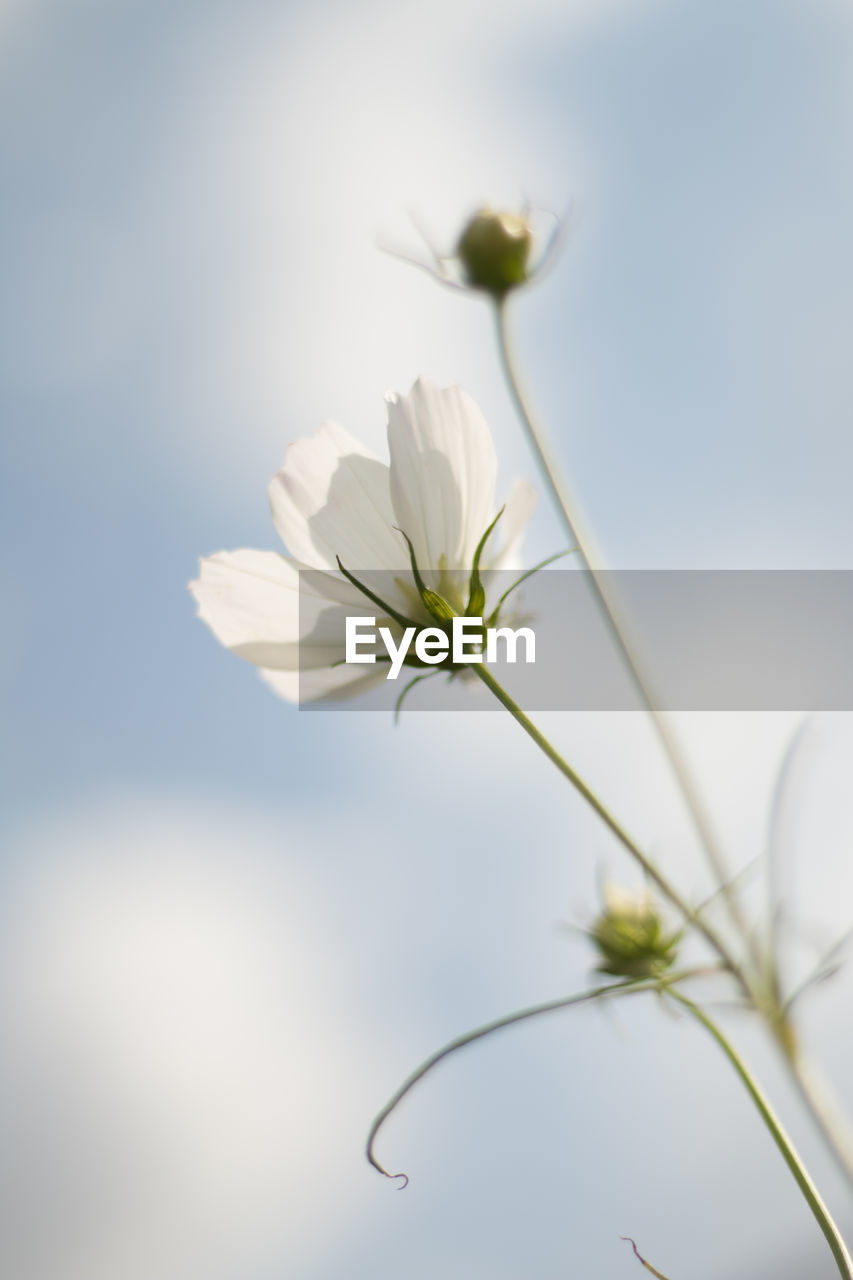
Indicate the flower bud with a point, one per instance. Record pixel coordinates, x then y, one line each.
437 606
630 937
494 249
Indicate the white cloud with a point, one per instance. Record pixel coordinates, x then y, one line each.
172 1079
244 237
197 1028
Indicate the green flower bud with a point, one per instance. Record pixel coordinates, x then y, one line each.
437 606
494 250
630 937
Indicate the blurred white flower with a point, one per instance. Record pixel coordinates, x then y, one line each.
334 503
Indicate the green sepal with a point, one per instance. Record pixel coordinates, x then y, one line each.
476 593
435 605
375 599
398 705
528 573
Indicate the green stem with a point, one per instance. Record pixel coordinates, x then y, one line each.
780 1137
627 841
759 991
815 1094
606 991
568 510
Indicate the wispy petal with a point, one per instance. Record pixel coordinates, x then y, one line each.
336 683
443 471
258 606
247 596
510 528
332 498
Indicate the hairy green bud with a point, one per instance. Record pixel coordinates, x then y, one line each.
630 937
494 250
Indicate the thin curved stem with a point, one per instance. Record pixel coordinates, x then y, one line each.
627 841
780 1137
569 513
641 1259
609 989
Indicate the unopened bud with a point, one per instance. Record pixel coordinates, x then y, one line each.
494 250
630 937
437 606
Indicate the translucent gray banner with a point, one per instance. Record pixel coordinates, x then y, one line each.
707 640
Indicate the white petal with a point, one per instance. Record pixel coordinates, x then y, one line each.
260 607
285 617
443 470
336 683
332 498
509 531
247 596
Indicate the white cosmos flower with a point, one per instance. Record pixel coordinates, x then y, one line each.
335 501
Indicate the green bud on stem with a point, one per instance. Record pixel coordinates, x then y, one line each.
630 937
494 250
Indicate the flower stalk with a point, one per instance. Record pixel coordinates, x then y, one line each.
780 1137
606 991
777 1131
568 511
759 986
652 871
